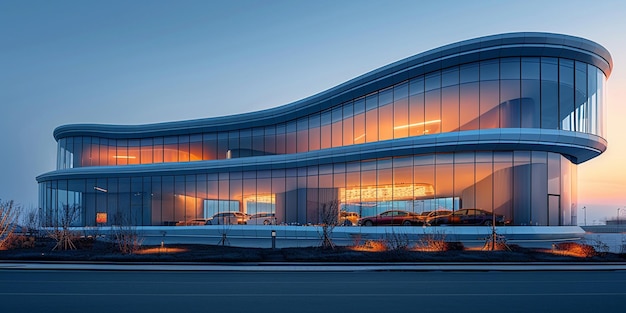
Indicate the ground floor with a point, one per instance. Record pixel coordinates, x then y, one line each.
523 187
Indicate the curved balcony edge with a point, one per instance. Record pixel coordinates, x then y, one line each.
577 147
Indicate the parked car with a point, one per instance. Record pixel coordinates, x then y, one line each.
263 218
467 217
229 218
392 217
195 222
348 218
425 216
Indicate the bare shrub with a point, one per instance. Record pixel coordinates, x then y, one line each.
600 247
61 231
9 213
396 241
125 234
15 241
576 248
32 223
329 216
437 242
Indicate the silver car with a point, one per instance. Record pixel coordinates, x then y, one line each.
229 218
263 218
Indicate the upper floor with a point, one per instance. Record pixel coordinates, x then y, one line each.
523 80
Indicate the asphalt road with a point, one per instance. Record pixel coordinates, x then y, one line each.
178 292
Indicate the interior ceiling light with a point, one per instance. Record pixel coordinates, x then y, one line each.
418 124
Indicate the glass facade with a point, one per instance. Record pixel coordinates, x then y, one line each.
547 93
507 182
489 125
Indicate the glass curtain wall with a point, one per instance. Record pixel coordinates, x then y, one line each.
549 93
524 187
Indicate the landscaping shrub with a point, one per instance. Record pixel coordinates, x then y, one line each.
14 241
579 249
436 242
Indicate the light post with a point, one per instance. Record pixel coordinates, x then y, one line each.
618 222
585 210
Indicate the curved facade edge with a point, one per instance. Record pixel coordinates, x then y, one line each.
485 48
577 147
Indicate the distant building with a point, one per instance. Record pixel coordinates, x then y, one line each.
616 222
496 123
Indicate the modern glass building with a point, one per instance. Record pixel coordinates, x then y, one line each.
497 123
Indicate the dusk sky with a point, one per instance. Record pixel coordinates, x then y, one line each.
136 62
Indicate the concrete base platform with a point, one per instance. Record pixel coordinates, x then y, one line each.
307 236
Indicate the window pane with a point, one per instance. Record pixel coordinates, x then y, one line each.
401 110
450 109
359 121
303 135
195 147
416 107
183 148
326 130
489 104
337 121
530 93
581 96
549 93
371 118
469 108
348 124
510 104
314 132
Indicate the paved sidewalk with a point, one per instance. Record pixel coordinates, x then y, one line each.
318 267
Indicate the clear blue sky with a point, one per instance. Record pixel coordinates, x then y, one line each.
131 62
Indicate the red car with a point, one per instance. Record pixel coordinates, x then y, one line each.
392 217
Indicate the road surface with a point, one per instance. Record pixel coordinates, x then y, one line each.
362 291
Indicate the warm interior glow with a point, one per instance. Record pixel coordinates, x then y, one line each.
418 124
124 157
101 218
266 198
386 193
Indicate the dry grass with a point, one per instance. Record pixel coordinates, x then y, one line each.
371 246
161 250
574 249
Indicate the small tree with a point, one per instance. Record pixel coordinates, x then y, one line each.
61 231
32 222
126 236
9 213
495 242
329 216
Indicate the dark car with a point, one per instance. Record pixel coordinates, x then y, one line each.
392 217
425 216
466 217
